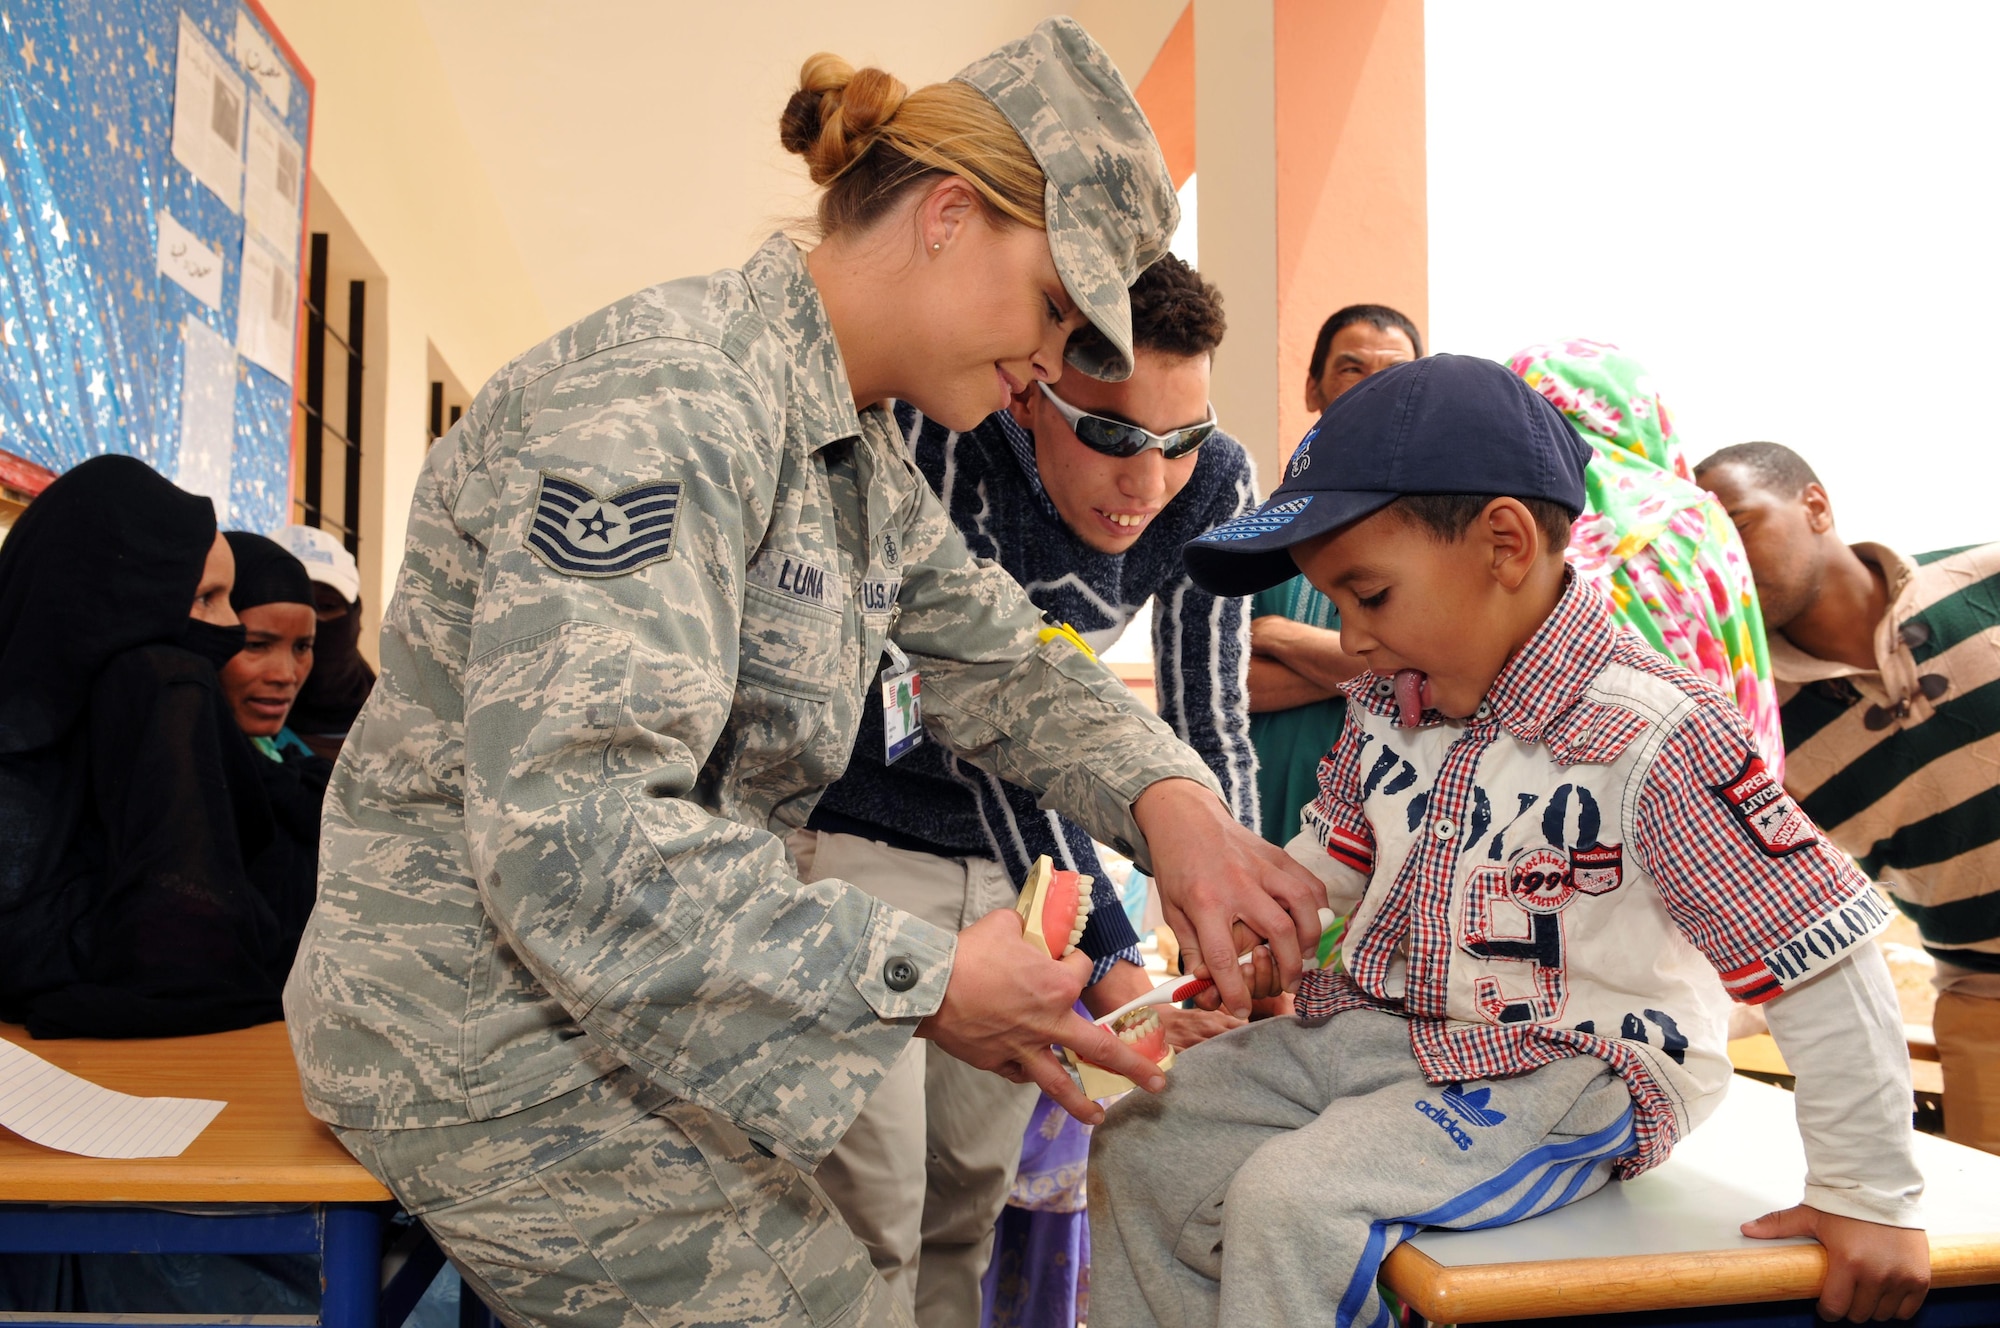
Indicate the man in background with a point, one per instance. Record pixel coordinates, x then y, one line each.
1296 663
1888 673
1084 491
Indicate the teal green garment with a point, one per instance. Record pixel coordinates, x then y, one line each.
1291 742
286 741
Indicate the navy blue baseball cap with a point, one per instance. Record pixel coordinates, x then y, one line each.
1444 424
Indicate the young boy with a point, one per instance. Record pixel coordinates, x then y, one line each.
1547 835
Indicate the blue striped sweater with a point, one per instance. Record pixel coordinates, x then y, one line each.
931 801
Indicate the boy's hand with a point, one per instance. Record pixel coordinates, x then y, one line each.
1187 1028
1223 889
1260 972
1872 1271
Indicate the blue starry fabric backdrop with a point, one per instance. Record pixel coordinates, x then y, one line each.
152 188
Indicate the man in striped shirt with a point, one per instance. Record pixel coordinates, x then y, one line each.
1888 671
1084 492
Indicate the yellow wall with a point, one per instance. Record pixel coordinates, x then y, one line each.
635 141
505 169
391 152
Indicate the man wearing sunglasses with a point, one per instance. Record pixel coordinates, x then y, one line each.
1084 491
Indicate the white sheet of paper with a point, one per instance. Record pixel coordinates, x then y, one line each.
192 265
262 63
57 1109
208 116
208 414
267 309
271 180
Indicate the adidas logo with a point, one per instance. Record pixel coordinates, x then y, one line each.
1472 1105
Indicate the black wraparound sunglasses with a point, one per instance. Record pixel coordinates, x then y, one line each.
1119 439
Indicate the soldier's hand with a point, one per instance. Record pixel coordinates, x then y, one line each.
1224 889
1006 1002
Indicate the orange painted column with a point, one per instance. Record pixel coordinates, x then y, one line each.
1307 127
1166 95
1350 175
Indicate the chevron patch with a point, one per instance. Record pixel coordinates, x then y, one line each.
580 534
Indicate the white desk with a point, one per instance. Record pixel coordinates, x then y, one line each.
1669 1239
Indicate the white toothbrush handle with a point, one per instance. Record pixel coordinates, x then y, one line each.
1175 990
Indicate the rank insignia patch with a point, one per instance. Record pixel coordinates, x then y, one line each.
580 534
1766 811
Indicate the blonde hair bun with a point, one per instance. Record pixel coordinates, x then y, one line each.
837 114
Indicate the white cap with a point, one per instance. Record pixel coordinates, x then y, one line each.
327 560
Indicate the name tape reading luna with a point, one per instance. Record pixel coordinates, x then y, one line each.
793 577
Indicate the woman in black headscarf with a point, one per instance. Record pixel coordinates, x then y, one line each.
274 598
130 803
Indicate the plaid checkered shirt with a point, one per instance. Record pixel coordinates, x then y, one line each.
1567 872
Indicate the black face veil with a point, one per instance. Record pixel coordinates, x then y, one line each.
107 559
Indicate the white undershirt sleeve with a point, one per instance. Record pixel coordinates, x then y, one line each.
1842 1035
1344 885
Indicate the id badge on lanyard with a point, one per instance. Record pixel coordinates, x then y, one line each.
902 706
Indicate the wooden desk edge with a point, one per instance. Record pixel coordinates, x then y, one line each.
342 1185
1478 1293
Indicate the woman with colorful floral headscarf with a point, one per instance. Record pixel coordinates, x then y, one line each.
1661 548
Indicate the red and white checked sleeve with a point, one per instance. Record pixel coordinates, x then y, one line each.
1745 873
1334 841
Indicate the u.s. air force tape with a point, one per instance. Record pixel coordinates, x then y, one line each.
580 534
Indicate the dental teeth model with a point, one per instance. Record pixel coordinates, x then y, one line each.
1175 990
1054 908
1142 1031
1138 1029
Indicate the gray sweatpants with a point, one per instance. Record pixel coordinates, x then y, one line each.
1284 1161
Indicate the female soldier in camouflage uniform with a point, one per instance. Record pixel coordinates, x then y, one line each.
563 992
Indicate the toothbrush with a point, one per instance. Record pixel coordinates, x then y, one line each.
1175 990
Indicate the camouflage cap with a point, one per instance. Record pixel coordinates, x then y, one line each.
1110 205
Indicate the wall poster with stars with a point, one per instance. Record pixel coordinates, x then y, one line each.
126 321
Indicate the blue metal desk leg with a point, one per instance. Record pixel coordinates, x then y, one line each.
350 1265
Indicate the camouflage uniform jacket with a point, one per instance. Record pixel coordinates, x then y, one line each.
646 587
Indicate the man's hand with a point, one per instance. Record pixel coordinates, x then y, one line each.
1006 1002
1872 1271
1313 653
1223 889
